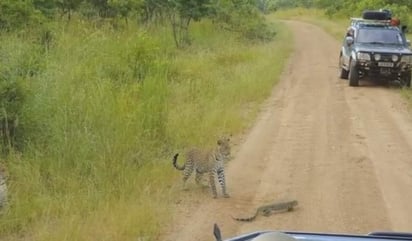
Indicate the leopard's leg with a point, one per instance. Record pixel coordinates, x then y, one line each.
212 184
198 178
187 172
221 178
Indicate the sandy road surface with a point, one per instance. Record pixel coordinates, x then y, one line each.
344 153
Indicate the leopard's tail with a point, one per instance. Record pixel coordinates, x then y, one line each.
175 163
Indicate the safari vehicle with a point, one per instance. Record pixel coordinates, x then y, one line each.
305 236
375 47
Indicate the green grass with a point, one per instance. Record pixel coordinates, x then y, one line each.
335 26
106 110
242 74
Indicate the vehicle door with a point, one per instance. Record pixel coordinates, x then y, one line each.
347 46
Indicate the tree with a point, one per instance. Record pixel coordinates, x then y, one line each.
104 8
150 8
17 14
47 7
68 6
242 17
124 7
181 13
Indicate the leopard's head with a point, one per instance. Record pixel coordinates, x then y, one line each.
224 147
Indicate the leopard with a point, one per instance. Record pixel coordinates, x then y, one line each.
207 161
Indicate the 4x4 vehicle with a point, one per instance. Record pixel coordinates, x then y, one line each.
375 46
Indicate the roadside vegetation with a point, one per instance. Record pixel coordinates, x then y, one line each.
97 96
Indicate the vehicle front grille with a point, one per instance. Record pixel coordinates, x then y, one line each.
386 57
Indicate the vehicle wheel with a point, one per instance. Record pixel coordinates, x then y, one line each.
406 79
353 74
343 72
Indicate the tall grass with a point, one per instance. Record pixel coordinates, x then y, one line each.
335 25
105 113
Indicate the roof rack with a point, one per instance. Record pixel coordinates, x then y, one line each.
355 21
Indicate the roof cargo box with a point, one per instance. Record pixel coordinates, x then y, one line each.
377 14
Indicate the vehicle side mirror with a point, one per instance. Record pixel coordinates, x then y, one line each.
349 40
408 42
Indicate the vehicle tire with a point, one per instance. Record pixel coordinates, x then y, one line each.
406 79
376 15
343 72
353 74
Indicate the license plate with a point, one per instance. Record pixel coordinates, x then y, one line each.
385 71
385 64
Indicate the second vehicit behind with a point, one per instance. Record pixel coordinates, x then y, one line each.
375 46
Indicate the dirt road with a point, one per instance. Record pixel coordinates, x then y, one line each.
344 153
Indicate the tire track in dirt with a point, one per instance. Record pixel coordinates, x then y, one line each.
344 153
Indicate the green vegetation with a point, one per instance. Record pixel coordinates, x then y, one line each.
97 96
400 8
336 27
348 8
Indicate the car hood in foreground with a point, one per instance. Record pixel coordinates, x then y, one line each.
304 236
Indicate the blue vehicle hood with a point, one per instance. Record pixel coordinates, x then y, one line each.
304 236
378 48
267 235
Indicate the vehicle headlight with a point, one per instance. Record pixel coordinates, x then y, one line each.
407 59
395 58
377 57
363 56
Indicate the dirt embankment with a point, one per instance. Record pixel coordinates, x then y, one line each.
344 153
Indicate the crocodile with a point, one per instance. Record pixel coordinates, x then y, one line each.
266 210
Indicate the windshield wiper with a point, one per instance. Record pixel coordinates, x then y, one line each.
376 42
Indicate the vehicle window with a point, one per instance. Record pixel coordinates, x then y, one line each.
379 36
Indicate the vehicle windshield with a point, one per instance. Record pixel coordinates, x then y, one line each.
379 36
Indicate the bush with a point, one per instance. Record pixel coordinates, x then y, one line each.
259 31
20 63
246 20
18 14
